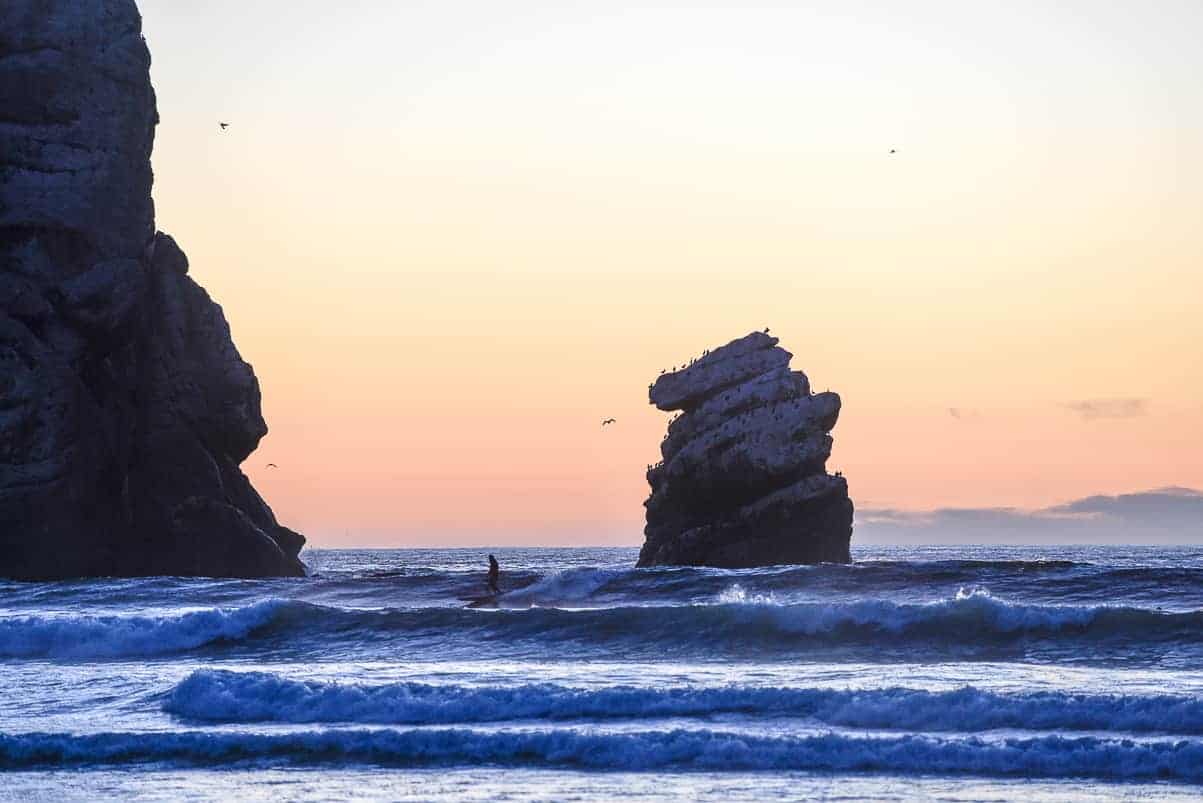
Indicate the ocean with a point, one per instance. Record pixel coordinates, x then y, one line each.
960 674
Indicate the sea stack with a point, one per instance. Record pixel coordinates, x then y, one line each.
743 481
125 408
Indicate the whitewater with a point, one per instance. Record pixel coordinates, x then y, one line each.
968 673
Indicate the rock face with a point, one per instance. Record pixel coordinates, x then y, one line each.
743 481
125 409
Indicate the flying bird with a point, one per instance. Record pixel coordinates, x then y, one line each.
609 421
272 465
224 126
892 150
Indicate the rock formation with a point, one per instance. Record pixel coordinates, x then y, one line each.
743 480
125 409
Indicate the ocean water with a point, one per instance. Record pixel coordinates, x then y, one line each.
970 673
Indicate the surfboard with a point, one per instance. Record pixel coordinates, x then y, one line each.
486 601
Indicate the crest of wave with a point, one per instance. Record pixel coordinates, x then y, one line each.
736 595
570 585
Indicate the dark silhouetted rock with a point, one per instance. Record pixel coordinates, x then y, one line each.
125 409
743 481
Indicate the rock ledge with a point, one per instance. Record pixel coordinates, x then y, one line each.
743 481
125 408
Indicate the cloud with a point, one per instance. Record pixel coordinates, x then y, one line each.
1176 506
1161 516
1093 409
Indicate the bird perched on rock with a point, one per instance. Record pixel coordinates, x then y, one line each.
608 421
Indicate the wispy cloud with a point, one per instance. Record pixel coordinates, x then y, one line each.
1093 409
1164 515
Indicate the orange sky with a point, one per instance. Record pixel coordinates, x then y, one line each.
453 237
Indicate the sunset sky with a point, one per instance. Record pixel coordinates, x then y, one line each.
453 237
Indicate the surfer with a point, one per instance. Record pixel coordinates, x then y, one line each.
494 573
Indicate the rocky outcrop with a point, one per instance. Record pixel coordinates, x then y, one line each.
125 409
743 481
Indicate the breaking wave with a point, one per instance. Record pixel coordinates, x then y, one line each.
240 697
968 618
1045 756
80 637
565 587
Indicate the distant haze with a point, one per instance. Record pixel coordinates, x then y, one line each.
454 237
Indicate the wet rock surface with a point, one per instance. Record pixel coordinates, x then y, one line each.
743 481
125 408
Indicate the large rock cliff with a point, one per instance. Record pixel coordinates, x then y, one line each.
743 480
125 409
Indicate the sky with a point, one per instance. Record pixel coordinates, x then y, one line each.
453 237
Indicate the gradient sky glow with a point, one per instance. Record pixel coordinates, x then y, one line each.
452 237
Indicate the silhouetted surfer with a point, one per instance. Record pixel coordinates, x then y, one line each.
494 573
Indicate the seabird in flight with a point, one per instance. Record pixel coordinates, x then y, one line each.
609 421
224 126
